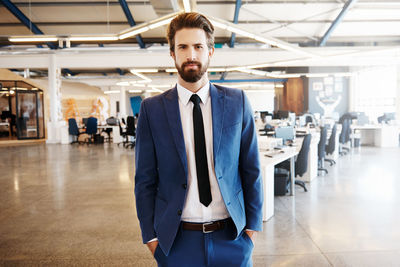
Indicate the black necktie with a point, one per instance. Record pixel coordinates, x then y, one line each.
203 180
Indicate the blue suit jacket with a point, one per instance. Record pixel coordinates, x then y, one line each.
161 164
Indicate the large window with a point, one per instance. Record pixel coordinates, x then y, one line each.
375 91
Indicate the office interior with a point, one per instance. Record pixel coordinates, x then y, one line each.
325 93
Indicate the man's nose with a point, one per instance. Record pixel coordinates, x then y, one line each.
191 55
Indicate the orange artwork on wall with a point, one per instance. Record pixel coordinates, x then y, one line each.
72 110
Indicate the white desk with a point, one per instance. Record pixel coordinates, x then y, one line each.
267 168
377 135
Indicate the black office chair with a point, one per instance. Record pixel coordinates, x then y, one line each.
344 136
321 149
330 147
301 162
130 131
91 129
122 133
74 130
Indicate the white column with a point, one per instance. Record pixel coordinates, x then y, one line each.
122 103
26 73
54 125
398 94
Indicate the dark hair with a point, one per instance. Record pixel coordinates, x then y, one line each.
190 20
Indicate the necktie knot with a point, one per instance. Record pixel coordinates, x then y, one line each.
195 99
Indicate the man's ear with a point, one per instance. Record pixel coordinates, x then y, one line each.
172 54
211 52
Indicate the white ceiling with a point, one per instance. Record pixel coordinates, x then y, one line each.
368 34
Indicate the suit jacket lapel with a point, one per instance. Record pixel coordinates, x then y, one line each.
174 120
217 106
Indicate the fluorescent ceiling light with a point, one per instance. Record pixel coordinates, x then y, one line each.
208 70
316 75
33 39
160 23
123 83
154 90
171 70
145 70
161 85
254 72
216 69
144 27
217 24
93 38
112 92
186 5
137 84
133 32
279 85
135 91
140 75
226 25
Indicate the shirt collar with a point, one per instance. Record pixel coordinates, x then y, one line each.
185 94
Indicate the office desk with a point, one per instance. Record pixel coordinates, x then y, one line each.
267 168
377 135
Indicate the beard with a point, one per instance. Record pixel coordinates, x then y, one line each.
191 75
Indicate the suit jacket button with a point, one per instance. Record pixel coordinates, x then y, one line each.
184 186
179 212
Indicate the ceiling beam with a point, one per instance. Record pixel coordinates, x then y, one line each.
235 20
24 20
131 21
337 21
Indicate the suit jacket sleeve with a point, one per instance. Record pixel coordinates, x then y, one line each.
249 167
146 176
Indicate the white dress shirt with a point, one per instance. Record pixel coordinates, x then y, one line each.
193 210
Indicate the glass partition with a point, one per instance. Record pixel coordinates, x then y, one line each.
22 110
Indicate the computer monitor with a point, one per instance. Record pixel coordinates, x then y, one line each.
281 114
286 133
84 121
362 119
302 120
390 116
292 118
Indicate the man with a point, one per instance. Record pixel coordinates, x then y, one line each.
198 182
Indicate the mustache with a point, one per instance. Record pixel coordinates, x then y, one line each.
190 63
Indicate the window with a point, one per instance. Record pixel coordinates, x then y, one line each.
375 91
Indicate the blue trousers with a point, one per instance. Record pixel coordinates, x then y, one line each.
216 249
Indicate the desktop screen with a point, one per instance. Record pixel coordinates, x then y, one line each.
286 133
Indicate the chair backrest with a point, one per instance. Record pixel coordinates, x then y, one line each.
91 127
332 141
130 127
84 121
73 127
322 143
345 133
309 119
302 158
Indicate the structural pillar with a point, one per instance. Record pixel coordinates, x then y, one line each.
122 103
55 123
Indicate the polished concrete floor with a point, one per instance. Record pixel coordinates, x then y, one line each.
63 205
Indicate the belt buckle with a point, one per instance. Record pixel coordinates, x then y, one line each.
204 227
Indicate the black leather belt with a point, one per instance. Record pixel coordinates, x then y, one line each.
208 227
